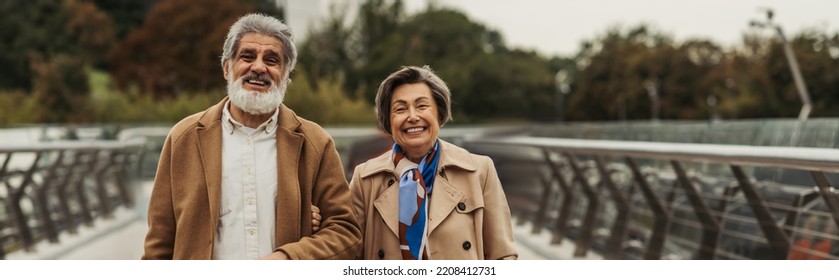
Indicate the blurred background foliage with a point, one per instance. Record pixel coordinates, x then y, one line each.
157 61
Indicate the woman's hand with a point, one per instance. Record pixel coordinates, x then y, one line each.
316 218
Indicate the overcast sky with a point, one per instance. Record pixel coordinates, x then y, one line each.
557 27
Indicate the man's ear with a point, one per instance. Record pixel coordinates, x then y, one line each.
225 68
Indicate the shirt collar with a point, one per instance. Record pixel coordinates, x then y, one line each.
230 124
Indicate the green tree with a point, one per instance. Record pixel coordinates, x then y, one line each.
267 7
65 90
614 68
13 41
330 52
93 30
488 80
47 45
177 48
622 69
819 68
30 28
127 15
308 102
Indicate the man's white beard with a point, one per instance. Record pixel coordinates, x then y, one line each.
253 102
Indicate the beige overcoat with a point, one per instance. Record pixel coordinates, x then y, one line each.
184 207
469 218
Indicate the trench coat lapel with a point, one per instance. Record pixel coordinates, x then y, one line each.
209 145
444 198
387 203
446 193
289 146
388 206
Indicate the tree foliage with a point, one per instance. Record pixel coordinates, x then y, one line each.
164 54
47 46
177 48
64 90
697 79
309 102
92 28
126 15
30 28
488 80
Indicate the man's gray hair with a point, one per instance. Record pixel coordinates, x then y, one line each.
261 24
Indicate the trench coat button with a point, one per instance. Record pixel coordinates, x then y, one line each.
461 206
389 182
381 254
466 245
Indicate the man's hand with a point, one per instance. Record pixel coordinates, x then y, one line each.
315 218
278 255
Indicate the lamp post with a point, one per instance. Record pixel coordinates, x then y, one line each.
562 88
652 90
792 61
711 100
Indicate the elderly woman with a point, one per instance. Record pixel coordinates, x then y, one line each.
427 198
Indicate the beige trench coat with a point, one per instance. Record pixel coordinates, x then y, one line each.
469 218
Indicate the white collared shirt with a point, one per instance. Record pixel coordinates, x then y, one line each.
248 189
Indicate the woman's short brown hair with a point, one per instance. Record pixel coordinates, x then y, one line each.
411 75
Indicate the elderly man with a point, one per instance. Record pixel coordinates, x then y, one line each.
238 180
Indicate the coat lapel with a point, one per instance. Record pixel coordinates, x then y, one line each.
387 203
388 206
446 194
289 147
444 198
209 149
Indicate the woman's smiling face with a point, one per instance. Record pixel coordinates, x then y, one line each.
414 119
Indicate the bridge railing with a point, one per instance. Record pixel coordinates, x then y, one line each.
54 187
647 200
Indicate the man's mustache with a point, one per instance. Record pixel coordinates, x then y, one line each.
259 77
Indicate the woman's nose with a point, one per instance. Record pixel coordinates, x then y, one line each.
413 116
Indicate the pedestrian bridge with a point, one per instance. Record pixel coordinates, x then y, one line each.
581 191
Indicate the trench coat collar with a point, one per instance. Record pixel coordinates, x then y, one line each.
450 156
445 195
289 146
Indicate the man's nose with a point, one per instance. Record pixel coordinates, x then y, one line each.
259 67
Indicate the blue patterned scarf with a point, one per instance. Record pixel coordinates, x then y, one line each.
415 186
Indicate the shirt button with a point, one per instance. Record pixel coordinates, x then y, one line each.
466 245
252 232
250 201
